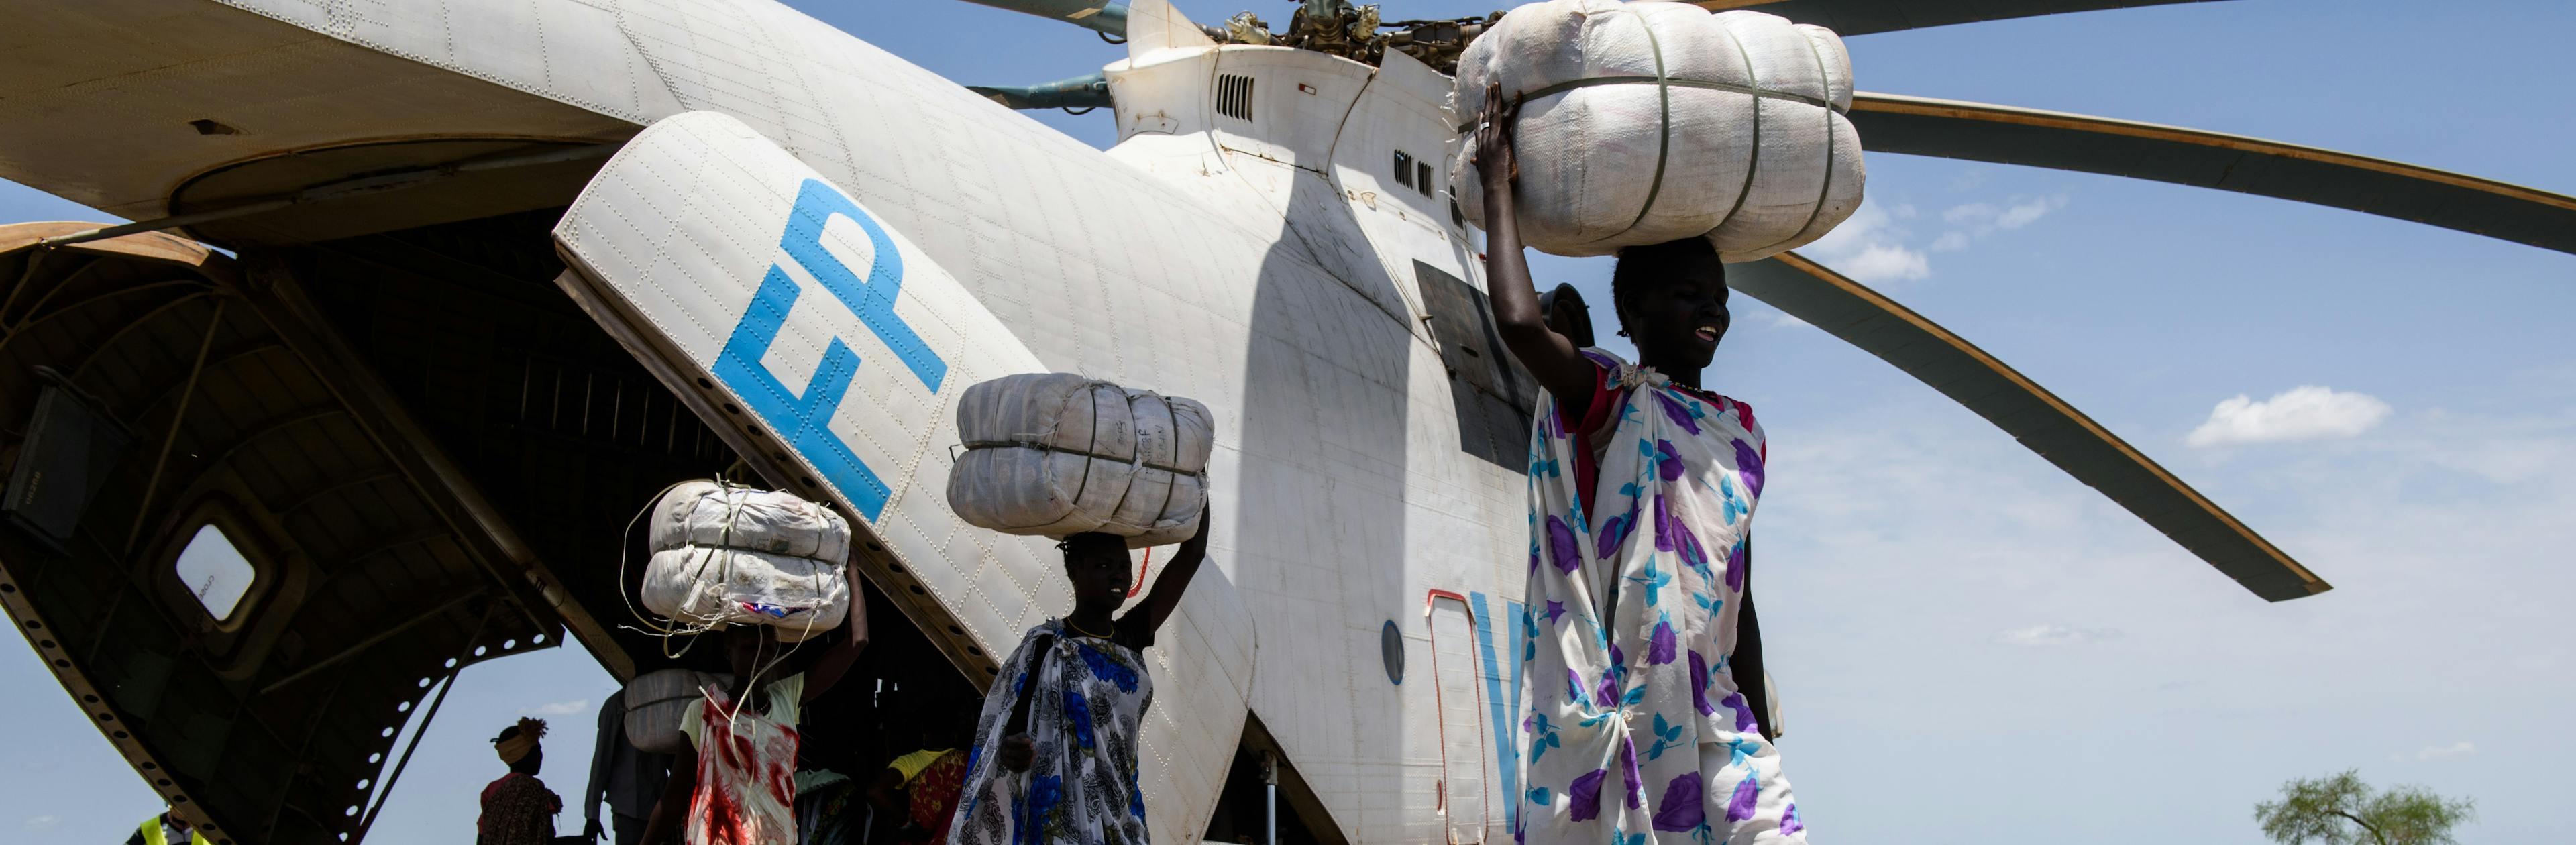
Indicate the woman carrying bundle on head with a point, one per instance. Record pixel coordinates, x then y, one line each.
1055 751
1646 714
736 782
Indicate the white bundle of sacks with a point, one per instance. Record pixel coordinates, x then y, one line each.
1055 454
729 555
1743 140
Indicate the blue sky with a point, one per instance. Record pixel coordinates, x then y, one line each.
1972 647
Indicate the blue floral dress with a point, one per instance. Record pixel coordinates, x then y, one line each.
1085 711
1635 732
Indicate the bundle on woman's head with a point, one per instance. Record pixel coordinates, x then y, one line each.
516 741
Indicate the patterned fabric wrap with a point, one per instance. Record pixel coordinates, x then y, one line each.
1635 731
934 795
824 814
1084 716
518 809
746 776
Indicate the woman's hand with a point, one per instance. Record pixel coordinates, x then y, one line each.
1018 751
1496 162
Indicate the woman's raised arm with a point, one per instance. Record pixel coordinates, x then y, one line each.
1175 579
835 661
1550 357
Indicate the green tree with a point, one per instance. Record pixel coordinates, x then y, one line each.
2341 810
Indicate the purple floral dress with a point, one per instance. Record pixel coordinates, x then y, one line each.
1635 732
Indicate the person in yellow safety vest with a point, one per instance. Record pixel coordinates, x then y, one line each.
169 828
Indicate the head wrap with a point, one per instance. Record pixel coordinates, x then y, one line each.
516 747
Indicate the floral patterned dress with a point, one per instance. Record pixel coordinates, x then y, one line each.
1088 704
746 793
1635 731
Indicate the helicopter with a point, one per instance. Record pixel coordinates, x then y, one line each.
423 300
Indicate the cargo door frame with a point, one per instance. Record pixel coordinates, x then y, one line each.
1481 733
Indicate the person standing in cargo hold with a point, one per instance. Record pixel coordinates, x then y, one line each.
1645 679
624 777
735 783
171 827
1054 759
518 809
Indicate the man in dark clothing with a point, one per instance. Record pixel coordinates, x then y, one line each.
623 776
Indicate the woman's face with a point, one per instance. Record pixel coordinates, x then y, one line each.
1680 317
1097 565
748 646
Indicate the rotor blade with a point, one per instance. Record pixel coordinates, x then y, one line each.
1861 17
1082 92
1109 17
1891 123
2041 421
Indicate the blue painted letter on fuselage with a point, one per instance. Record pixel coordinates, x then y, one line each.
803 418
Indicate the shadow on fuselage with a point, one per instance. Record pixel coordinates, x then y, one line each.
1324 473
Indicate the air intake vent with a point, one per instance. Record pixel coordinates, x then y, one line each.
1234 96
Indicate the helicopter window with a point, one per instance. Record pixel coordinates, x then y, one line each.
1490 393
1403 169
1422 177
215 572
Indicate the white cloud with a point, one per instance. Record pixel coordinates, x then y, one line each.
1870 247
1874 247
1978 219
2462 748
2050 635
559 708
2027 212
43 822
1886 262
2300 413
1969 214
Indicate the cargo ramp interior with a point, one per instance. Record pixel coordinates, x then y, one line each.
426 455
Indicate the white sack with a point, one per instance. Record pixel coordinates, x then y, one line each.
710 586
1056 454
656 702
1757 175
705 513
